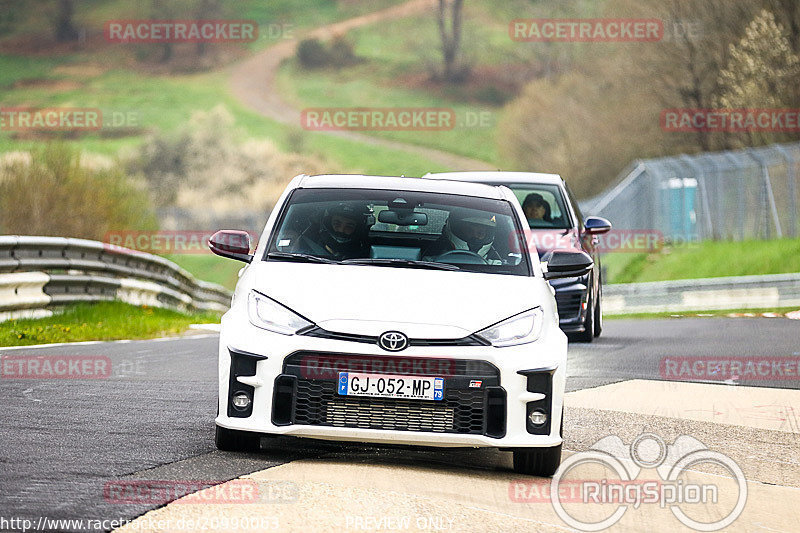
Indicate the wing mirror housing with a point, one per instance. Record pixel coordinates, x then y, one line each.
233 244
596 225
566 264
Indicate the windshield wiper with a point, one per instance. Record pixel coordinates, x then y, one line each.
401 263
300 258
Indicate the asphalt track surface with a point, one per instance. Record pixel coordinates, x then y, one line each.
62 441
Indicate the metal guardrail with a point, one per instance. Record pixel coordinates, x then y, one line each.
37 273
744 292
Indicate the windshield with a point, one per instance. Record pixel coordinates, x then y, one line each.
543 205
400 229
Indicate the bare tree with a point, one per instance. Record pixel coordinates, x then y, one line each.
451 37
64 25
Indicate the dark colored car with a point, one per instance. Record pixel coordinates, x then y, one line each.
556 223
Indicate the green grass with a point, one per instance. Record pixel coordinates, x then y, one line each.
210 267
398 56
14 69
700 314
390 60
709 259
354 88
166 103
102 321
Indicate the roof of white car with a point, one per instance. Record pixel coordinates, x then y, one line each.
498 177
355 181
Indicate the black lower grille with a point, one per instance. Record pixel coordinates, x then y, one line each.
474 402
569 304
318 404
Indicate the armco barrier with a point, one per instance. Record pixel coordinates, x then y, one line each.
37 273
744 292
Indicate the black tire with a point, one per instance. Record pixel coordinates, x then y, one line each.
231 440
598 313
587 335
542 462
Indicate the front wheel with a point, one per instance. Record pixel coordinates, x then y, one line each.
542 462
598 313
231 440
589 324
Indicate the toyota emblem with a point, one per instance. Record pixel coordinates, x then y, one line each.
393 341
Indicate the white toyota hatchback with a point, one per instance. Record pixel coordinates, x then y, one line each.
395 310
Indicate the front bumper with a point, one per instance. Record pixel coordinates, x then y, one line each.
265 365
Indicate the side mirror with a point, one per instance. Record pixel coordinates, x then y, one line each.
232 244
596 225
567 264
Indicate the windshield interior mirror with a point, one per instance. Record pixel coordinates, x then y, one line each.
403 217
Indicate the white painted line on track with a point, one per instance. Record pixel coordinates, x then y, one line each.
206 327
120 341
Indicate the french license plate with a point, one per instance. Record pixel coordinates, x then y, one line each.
389 386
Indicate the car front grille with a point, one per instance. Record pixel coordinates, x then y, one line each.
466 410
569 304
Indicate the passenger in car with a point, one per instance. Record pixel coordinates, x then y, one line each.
470 232
536 208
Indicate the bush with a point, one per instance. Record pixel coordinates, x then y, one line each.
341 52
204 171
51 193
312 54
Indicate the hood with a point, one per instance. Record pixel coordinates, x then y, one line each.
369 300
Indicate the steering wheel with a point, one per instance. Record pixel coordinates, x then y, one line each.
465 257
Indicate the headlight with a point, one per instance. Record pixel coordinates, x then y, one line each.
268 314
519 329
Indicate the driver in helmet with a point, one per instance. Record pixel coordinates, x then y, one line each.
471 231
343 231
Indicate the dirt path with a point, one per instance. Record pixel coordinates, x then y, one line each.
253 83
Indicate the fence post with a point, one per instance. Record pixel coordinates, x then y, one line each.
768 189
791 178
701 185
